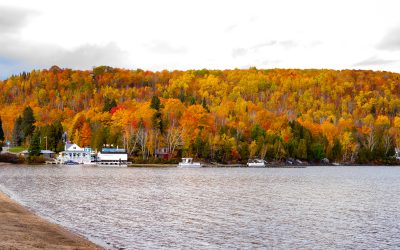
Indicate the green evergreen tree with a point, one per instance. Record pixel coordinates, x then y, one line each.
58 130
34 147
257 132
155 103
243 149
204 104
279 150
109 104
317 151
192 100
156 119
51 136
17 135
302 150
1 131
28 121
99 137
200 149
336 150
60 146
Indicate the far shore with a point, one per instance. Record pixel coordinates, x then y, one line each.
221 165
21 229
275 164
152 165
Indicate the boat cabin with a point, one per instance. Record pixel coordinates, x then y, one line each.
187 160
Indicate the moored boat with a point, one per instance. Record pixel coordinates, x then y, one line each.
260 163
70 162
188 163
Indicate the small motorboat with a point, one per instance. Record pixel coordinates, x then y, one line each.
188 163
70 162
260 163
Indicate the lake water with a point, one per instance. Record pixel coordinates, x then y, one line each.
216 208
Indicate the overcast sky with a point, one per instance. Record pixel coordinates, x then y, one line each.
189 34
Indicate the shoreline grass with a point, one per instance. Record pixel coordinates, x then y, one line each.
16 150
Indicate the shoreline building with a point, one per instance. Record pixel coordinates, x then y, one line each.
112 156
76 154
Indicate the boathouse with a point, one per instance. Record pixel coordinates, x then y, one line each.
112 156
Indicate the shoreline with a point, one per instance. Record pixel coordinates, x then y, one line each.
236 165
155 165
22 229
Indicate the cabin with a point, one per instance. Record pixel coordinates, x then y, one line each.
162 153
48 154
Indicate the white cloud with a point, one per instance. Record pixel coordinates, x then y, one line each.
163 47
177 34
373 61
391 40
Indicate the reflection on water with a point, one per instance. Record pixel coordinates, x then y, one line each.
312 208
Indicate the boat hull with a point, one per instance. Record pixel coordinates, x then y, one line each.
193 165
70 163
256 165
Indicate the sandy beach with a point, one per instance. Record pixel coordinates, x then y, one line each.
21 229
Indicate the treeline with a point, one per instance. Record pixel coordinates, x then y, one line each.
224 116
1 135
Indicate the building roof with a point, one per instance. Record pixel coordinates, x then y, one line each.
46 152
72 147
113 150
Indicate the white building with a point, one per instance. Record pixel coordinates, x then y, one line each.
112 156
76 154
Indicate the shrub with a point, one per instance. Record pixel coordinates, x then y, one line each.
11 158
35 159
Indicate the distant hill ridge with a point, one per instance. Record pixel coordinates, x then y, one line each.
216 114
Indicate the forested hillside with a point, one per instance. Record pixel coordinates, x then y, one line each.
225 116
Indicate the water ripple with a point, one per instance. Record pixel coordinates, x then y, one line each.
131 208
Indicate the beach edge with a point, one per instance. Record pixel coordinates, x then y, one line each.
20 228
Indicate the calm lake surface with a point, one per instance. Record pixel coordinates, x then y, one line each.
216 208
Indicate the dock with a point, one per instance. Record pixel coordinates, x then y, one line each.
114 163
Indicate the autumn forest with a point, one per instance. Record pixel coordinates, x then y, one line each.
227 116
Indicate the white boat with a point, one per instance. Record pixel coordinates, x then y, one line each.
397 153
70 162
256 163
188 163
